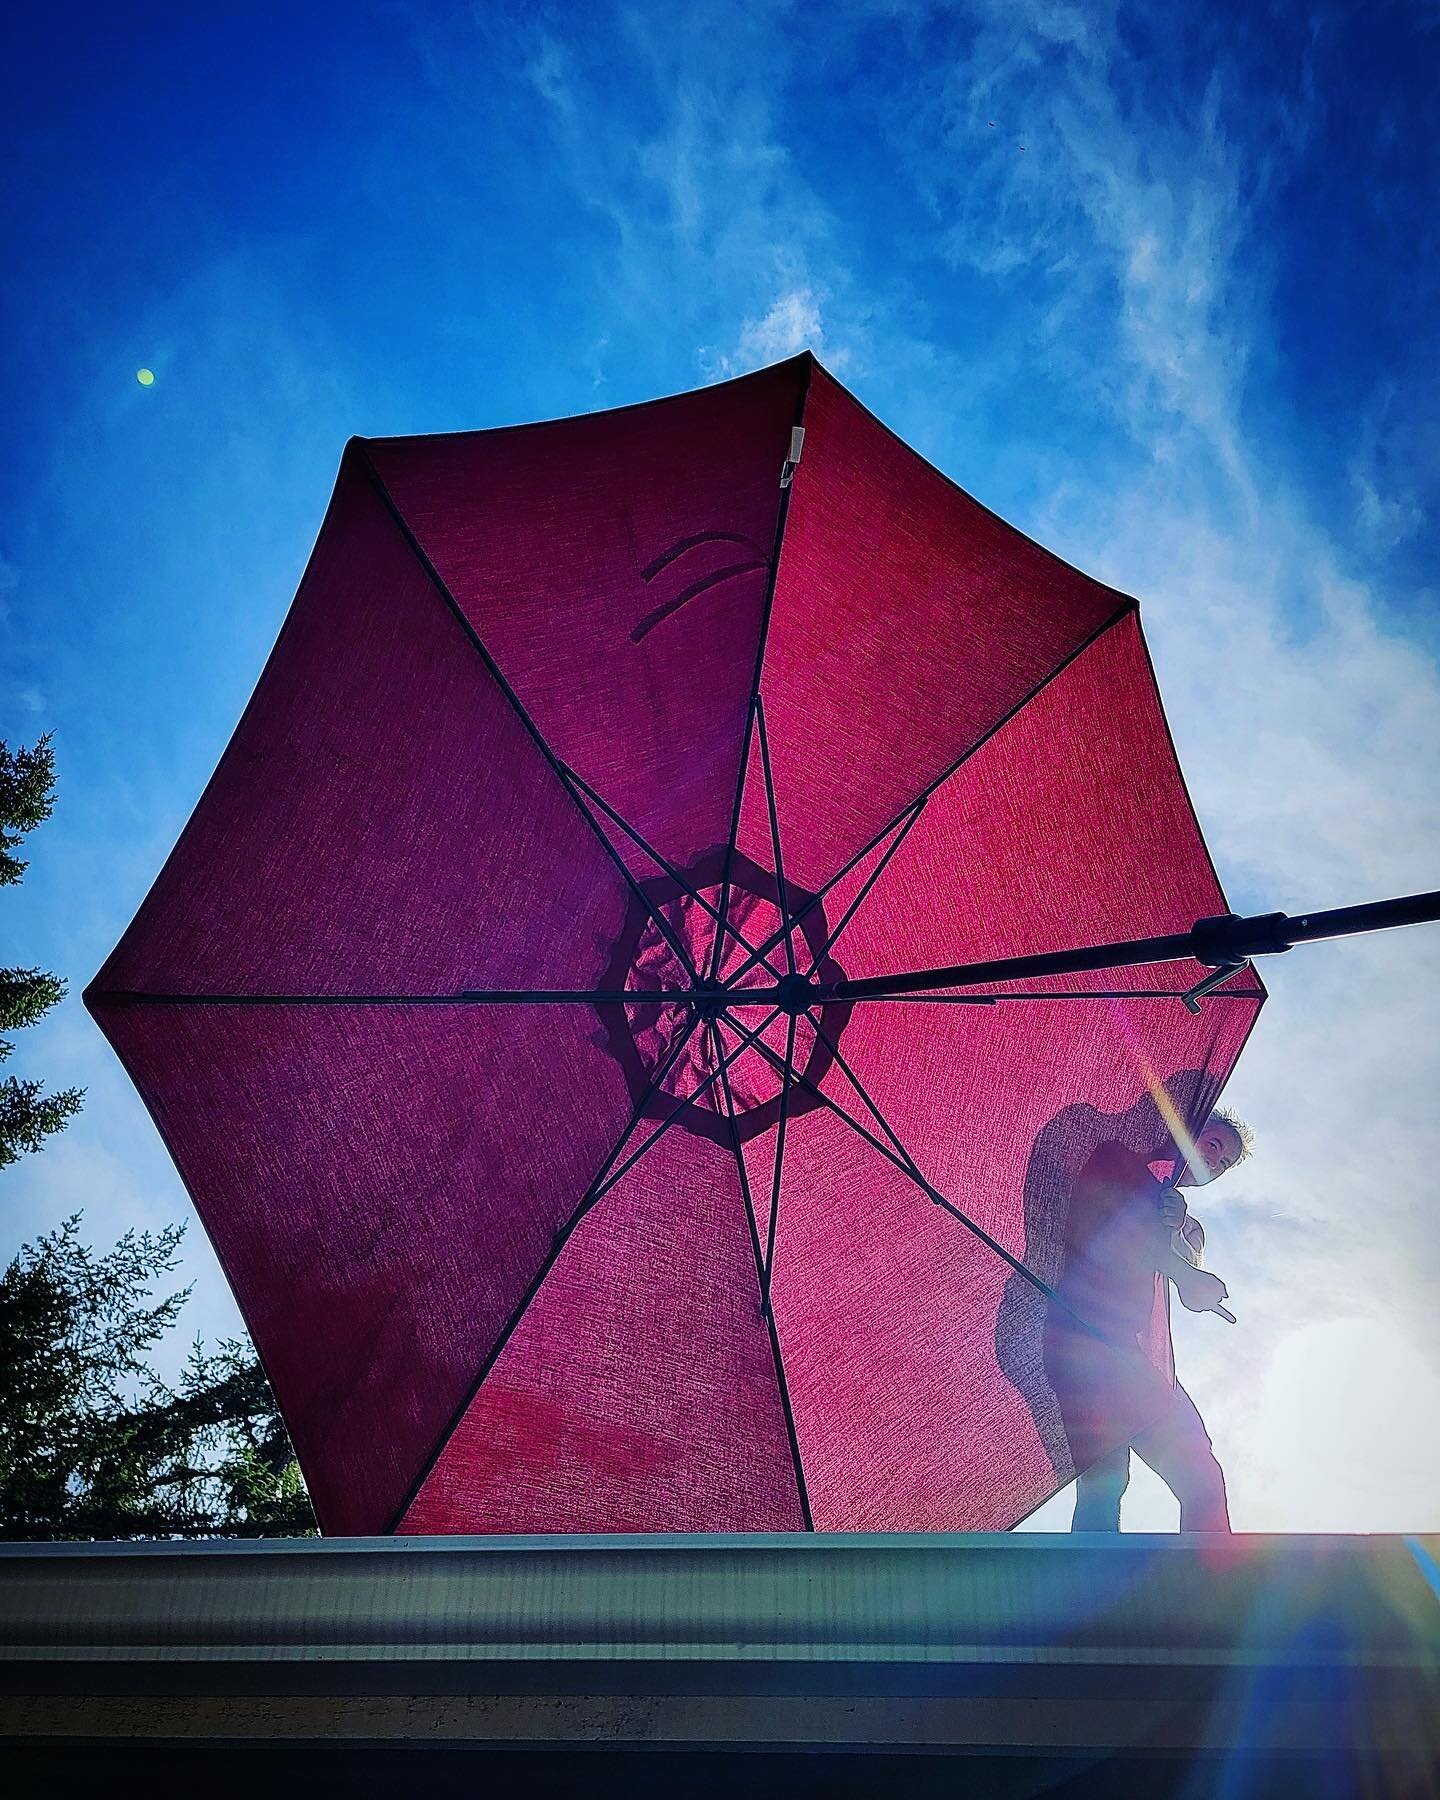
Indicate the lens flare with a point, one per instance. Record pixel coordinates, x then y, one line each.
146 377
1160 1094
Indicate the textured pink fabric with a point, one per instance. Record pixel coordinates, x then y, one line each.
382 1185
616 567
638 1393
1070 826
907 623
382 822
401 1181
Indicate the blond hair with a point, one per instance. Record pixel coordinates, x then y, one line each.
1244 1133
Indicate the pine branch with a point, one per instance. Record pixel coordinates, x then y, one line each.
27 798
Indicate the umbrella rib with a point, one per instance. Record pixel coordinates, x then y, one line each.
869 882
730 841
768 943
855 1082
766 1312
561 1238
903 1161
458 613
682 1101
786 923
1121 612
466 997
768 1272
663 862
1063 994
781 516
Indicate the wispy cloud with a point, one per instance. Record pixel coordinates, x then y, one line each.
795 322
714 223
1388 507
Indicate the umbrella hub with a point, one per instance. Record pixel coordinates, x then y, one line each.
725 993
795 993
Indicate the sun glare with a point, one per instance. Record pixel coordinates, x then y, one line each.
1342 1436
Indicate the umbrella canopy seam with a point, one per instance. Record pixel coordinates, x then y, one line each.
767 1312
786 923
787 488
927 793
521 711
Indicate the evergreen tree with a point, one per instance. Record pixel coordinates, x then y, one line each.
27 798
94 1443
27 1114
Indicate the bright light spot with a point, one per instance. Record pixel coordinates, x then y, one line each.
1336 1434
146 377
1343 1436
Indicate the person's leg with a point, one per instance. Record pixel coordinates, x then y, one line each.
1177 1447
1099 1490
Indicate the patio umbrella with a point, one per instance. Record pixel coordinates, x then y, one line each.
504 1003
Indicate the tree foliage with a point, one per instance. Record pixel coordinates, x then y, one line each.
94 1443
28 1114
27 798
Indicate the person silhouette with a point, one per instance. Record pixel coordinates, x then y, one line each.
1108 1239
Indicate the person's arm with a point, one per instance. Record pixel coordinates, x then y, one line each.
1183 1263
1189 1241
1115 1186
1187 1234
1199 1290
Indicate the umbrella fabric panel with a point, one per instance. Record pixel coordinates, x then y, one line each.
639 1390
1070 826
616 567
885 1310
382 822
907 622
382 1185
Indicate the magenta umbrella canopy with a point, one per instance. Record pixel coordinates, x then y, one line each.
488 1007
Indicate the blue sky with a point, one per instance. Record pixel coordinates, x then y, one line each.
1159 284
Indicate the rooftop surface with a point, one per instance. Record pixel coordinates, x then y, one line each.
1046 1662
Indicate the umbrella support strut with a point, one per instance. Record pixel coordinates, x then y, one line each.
1217 977
1226 940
